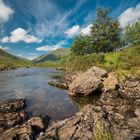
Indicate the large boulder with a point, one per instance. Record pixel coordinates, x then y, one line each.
88 82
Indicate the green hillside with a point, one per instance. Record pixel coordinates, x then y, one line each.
126 62
53 56
8 60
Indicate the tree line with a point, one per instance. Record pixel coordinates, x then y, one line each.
106 36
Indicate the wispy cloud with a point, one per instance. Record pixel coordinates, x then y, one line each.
20 34
51 47
73 31
5 12
51 18
130 15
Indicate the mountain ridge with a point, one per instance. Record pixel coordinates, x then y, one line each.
53 55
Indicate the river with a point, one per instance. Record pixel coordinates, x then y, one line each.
42 99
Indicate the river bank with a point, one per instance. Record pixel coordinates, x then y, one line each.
115 114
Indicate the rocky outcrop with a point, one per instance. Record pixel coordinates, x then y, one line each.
79 127
59 84
14 124
87 83
10 114
26 131
7 68
111 115
12 105
130 89
116 113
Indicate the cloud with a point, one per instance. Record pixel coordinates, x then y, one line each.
51 19
86 30
4 48
20 34
51 47
73 31
5 12
129 16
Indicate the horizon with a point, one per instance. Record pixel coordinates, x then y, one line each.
31 28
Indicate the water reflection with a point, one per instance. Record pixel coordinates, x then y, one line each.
42 98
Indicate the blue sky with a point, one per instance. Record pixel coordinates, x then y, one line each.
29 28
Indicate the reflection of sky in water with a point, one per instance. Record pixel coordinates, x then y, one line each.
42 98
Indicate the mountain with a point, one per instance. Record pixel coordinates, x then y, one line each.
7 59
53 55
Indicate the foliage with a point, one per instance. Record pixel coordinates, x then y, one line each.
132 34
81 63
105 36
81 45
8 60
105 33
126 62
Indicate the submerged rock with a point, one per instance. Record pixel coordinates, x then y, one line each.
59 84
88 82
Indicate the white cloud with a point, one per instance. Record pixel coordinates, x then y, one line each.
5 12
51 47
4 48
75 30
129 16
86 30
20 34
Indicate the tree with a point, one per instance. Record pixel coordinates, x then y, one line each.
81 45
105 33
105 36
132 34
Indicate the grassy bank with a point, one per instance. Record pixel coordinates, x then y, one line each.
125 62
8 60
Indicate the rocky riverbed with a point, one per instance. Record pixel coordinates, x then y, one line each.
116 113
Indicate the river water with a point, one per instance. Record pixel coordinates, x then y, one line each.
42 99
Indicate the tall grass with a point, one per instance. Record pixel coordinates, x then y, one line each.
100 132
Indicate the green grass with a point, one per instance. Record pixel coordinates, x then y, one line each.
53 56
8 60
100 132
125 62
